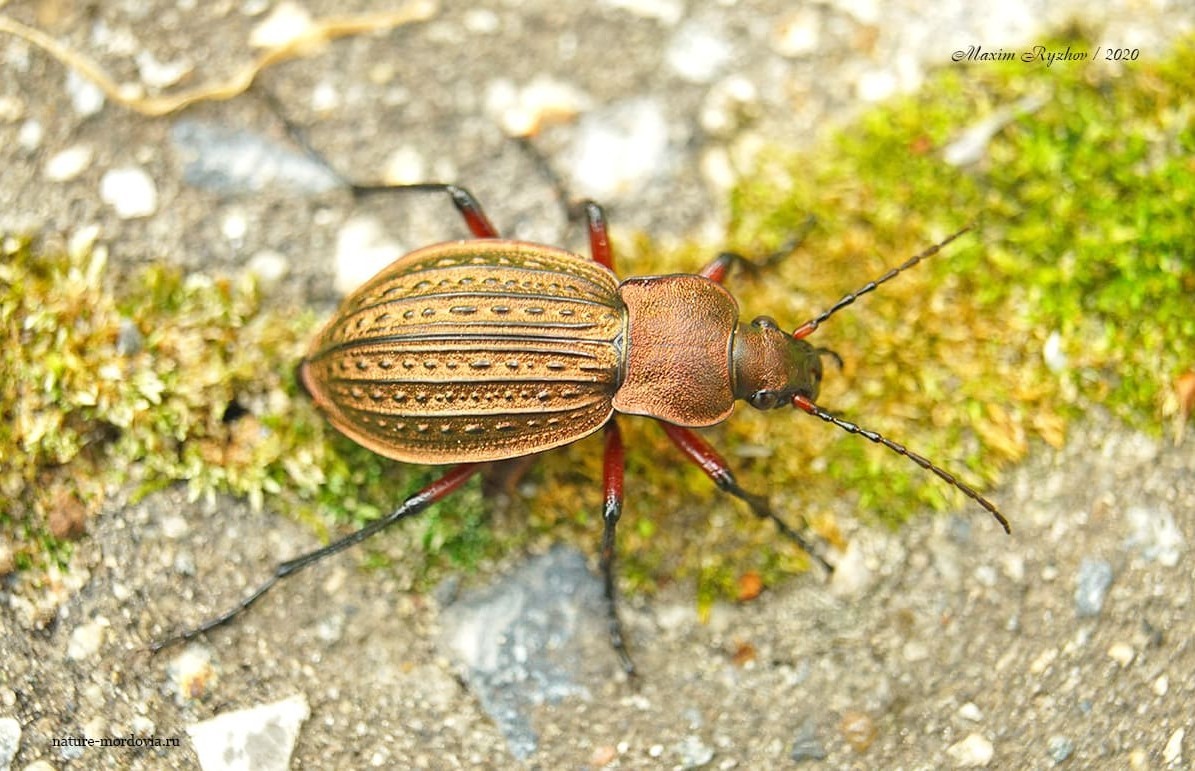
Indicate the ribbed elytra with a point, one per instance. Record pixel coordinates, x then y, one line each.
485 349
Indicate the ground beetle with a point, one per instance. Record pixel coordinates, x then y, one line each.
489 349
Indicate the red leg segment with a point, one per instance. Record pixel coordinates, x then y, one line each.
714 465
716 271
435 491
599 238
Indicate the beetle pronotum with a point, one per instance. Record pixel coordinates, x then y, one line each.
487 349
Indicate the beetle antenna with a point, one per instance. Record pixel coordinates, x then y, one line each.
808 327
808 405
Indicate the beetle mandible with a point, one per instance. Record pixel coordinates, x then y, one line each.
481 350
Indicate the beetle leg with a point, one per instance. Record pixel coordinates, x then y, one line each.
474 216
435 491
479 224
613 466
720 266
715 467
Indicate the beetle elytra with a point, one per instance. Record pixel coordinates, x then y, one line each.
488 349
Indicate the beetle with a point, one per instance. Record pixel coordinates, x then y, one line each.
481 350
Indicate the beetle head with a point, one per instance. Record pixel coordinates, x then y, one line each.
772 366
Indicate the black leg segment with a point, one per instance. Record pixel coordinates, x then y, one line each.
470 210
435 491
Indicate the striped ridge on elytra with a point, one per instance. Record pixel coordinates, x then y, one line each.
484 416
448 352
458 314
502 266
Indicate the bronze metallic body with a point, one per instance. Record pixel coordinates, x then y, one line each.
485 350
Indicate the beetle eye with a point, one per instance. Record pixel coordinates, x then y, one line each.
764 400
765 322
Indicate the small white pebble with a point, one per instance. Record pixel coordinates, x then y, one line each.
1161 685
174 526
96 727
11 109
86 97
287 22
259 737
619 149
1043 661
86 639
39 765
405 166
696 54
362 249
324 98
130 191
975 751
797 34
190 674
716 168
970 712
82 241
482 21
143 726
728 105
10 739
67 164
1172 753
30 134
524 111
1122 653
234 225
156 74
915 650
986 575
268 267
875 86
1052 354
852 576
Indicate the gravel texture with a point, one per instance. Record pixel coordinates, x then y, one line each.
944 645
